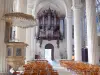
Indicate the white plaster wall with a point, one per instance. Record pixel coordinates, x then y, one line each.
57 51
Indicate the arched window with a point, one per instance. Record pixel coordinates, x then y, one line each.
98 15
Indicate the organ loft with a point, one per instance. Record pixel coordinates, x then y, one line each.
50 26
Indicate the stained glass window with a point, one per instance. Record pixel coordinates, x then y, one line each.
98 15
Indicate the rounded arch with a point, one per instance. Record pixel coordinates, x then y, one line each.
50 46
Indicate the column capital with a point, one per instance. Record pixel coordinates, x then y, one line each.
29 11
69 15
77 4
77 7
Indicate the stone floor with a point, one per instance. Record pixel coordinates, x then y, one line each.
61 70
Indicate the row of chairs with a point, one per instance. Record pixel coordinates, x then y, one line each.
39 67
41 72
38 64
80 67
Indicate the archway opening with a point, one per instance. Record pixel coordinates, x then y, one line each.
49 52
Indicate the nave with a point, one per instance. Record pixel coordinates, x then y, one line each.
43 67
61 70
61 29
39 67
59 67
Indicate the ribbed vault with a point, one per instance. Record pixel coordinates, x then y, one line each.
58 5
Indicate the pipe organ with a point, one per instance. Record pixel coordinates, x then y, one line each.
50 26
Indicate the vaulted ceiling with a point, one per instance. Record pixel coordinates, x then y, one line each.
60 6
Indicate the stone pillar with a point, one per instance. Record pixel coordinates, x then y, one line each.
20 32
77 13
69 35
6 6
92 40
22 6
33 42
30 40
83 28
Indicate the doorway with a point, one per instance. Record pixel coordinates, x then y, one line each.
49 52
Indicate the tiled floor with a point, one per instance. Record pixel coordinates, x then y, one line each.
61 70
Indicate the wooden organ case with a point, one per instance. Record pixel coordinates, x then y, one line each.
51 26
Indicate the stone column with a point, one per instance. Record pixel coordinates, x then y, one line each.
21 7
65 22
6 6
83 28
92 40
69 35
33 42
77 13
30 40
21 34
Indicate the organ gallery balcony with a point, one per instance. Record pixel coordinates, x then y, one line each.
51 26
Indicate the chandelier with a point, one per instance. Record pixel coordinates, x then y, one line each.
20 19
